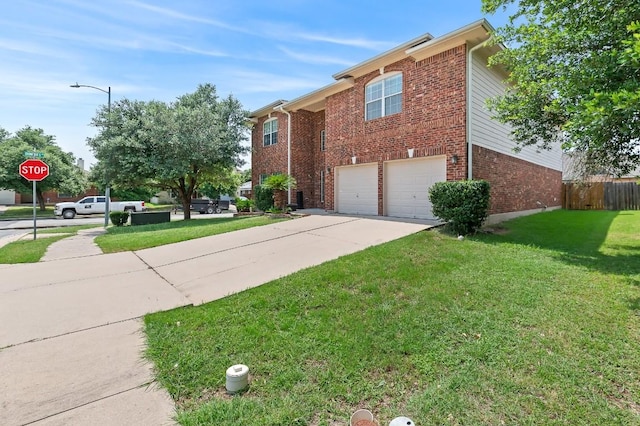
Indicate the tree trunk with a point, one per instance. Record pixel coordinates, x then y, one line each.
40 199
280 200
186 206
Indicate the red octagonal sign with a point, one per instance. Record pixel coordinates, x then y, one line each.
34 169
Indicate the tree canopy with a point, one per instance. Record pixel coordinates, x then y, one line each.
64 175
179 145
575 78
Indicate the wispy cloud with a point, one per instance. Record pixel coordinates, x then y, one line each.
173 14
26 48
263 82
353 42
315 59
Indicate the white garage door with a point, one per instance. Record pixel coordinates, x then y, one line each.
357 189
7 197
407 184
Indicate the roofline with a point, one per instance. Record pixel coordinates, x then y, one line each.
353 71
427 48
267 109
319 95
419 48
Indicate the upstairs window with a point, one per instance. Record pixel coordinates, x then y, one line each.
322 140
383 97
270 132
263 177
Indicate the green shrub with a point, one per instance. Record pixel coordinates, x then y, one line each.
463 204
119 218
263 197
280 184
244 205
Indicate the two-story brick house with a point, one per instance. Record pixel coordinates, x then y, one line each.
376 139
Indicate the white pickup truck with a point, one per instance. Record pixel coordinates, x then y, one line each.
94 205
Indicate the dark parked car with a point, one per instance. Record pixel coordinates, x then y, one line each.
206 206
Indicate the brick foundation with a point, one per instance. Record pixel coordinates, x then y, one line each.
516 184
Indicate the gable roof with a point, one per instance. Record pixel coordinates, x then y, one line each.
419 48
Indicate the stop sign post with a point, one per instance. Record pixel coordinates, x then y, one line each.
34 170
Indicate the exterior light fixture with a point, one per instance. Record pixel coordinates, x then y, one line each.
454 159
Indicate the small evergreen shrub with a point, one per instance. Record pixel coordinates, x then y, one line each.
244 205
463 204
263 198
119 218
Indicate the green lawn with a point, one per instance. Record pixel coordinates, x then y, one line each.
26 212
537 323
129 238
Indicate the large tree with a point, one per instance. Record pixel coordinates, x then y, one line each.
226 183
178 145
575 78
64 175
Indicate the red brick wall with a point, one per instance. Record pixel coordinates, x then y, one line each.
432 121
516 184
52 197
306 158
268 159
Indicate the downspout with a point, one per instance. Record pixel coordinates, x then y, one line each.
281 109
469 105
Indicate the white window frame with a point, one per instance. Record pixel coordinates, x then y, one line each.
384 97
263 177
323 140
271 137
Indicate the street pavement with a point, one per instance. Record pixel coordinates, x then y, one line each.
71 340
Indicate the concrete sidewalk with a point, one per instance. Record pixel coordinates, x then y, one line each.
71 339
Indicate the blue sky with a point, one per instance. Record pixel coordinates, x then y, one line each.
259 51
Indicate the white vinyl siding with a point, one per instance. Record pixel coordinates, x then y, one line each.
270 132
383 97
357 189
493 135
407 183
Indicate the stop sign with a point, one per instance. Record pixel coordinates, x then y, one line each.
34 169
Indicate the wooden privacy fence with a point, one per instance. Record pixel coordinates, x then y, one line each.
601 196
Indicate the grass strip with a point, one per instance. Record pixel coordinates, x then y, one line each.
127 238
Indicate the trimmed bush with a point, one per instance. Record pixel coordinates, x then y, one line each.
119 218
463 204
263 197
244 205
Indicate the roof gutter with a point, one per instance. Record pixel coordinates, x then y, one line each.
281 109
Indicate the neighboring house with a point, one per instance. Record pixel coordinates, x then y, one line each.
9 197
376 139
570 172
53 197
245 189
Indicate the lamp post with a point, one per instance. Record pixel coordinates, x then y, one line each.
107 190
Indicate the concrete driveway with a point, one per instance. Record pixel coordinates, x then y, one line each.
70 334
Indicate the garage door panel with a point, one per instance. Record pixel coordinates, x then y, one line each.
357 189
407 186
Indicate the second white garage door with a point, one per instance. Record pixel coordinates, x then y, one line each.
357 189
407 184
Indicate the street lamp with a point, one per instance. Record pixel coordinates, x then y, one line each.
107 190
